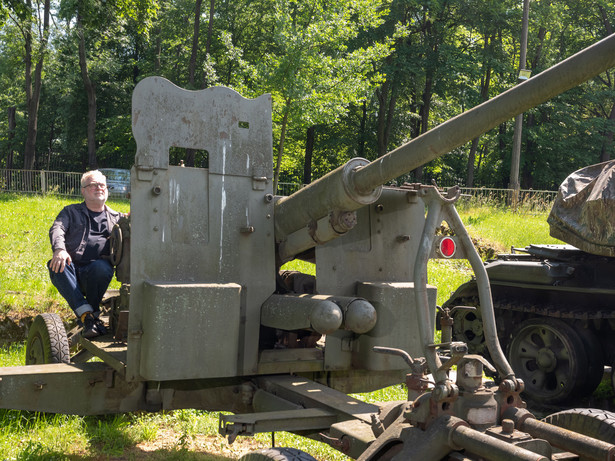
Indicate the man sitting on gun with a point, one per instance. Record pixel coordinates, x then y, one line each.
80 267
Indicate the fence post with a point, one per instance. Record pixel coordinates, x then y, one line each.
43 182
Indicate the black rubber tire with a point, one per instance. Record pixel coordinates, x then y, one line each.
595 361
599 424
549 356
278 454
47 341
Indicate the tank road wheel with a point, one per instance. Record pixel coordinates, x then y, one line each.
277 454
548 355
47 341
598 424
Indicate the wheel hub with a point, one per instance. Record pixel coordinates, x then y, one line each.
36 354
546 359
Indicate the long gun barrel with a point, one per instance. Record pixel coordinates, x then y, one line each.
358 182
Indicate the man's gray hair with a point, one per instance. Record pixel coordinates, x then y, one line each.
88 174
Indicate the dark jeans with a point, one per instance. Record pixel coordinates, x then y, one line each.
92 279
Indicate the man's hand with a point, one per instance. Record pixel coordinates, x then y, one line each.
59 261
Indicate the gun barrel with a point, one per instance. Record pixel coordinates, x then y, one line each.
350 187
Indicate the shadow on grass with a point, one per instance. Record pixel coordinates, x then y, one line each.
36 452
9 196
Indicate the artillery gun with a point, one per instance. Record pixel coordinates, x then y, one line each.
554 303
205 320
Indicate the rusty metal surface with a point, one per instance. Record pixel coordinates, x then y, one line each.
587 447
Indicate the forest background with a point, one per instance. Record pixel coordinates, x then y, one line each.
347 77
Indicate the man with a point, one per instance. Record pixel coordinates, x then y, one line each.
80 268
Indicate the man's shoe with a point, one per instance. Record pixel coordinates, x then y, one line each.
92 326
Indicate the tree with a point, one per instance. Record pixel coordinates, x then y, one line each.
95 20
34 25
311 72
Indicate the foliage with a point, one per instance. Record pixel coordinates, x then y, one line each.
365 76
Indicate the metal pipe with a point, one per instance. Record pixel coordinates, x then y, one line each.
434 218
491 448
484 294
586 447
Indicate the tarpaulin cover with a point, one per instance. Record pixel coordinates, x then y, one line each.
583 213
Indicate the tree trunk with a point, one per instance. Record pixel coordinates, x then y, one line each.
195 42
424 113
362 134
33 93
309 151
484 95
11 137
210 31
607 143
278 162
471 161
90 91
191 153
387 100
527 173
605 19
158 51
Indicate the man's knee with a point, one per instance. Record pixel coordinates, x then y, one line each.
101 269
68 275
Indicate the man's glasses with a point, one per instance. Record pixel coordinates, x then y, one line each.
96 185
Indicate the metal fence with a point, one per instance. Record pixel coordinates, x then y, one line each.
40 182
67 183
527 200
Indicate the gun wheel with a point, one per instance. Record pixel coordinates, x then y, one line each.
47 341
549 355
277 454
598 424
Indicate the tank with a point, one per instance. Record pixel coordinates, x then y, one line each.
555 304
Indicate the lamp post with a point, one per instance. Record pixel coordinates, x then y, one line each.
523 75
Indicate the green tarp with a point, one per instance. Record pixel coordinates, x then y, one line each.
583 213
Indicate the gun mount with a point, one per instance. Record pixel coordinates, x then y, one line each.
205 319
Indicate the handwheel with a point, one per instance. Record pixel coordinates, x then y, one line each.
549 356
47 341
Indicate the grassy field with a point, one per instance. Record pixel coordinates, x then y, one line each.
186 434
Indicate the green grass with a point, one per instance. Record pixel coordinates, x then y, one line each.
24 250
504 229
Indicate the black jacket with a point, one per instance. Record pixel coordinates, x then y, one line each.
71 228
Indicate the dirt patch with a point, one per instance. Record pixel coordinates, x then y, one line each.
14 326
202 447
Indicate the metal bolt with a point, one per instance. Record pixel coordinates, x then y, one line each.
508 426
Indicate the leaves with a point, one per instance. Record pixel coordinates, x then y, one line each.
368 75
